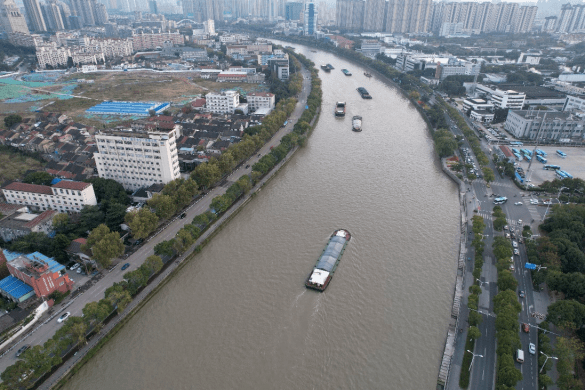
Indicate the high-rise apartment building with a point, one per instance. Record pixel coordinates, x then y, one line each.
83 9
374 15
293 10
137 159
407 16
200 10
350 14
571 19
100 14
11 19
54 19
310 19
35 15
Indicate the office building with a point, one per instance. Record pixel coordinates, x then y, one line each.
501 99
550 125
456 67
260 100
11 19
153 7
310 19
223 103
137 159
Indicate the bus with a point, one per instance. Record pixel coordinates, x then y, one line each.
551 167
527 157
540 152
560 153
515 150
541 159
516 143
500 200
527 152
518 156
563 175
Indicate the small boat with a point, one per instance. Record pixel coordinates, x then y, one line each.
326 68
340 109
357 123
346 72
313 51
327 263
367 74
363 93
330 67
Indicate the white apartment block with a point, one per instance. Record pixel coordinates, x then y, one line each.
258 100
137 159
508 99
574 103
64 196
109 47
223 103
152 41
456 67
52 55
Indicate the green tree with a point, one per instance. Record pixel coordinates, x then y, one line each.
12 119
474 332
142 222
206 174
109 189
107 249
39 178
183 240
164 205
77 329
115 213
152 265
118 296
17 376
499 223
94 313
60 221
474 318
506 280
90 217
508 375
136 279
566 313
164 248
95 236
488 174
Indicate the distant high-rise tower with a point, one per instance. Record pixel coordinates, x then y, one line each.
571 19
310 19
293 10
100 14
35 15
350 14
408 16
52 15
11 20
153 7
374 15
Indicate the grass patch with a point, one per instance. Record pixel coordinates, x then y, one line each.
13 164
70 105
464 372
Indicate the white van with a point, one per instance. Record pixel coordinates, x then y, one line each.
520 356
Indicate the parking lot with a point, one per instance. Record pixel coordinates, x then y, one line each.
573 163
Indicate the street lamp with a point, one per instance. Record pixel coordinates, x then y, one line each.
548 357
483 282
474 355
547 210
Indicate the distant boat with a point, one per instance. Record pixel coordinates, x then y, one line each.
340 109
326 68
367 74
346 72
327 263
357 123
363 93
313 51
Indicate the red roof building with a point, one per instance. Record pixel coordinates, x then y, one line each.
42 273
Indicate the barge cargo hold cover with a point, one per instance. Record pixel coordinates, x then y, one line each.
326 265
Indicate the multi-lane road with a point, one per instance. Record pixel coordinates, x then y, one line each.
96 292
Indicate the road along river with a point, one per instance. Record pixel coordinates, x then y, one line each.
239 316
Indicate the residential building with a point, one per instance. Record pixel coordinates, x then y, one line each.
20 222
11 19
374 15
35 15
571 19
152 41
457 67
222 103
259 100
407 16
293 10
280 66
550 125
55 18
64 196
502 99
310 19
42 274
350 14
137 158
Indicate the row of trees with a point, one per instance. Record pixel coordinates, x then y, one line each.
474 318
40 359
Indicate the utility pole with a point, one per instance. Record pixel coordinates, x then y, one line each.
528 176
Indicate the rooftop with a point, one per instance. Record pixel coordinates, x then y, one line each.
72 185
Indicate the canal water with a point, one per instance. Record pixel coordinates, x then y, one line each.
239 315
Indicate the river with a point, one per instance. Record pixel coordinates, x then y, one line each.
239 316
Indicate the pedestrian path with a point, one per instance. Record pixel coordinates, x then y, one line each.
487 216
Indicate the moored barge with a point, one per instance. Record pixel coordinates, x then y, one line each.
328 261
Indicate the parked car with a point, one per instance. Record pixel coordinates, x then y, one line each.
512 268
520 222
22 350
125 266
248 165
74 266
183 215
63 317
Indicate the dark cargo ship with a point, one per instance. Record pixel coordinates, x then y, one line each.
347 72
326 264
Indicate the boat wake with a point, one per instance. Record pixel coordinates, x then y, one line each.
294 304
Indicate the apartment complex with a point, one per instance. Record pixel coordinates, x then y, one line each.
152 41
136 158
258 100
571 19
223 103
64 196
11 19
550 125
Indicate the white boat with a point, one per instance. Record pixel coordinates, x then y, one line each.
357 123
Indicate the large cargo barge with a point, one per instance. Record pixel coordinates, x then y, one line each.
328 261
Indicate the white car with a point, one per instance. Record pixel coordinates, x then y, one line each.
514 244
63 317
534 201
74 266
516 251
532 348
518 203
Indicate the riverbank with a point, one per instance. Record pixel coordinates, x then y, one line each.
61 376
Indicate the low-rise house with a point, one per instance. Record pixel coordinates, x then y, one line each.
21 222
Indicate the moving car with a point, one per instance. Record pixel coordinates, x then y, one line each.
521 294
532 348
22 350
512 268
63 317
125 266
183 215
515 244
525 327
516 251
518 203
520 222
